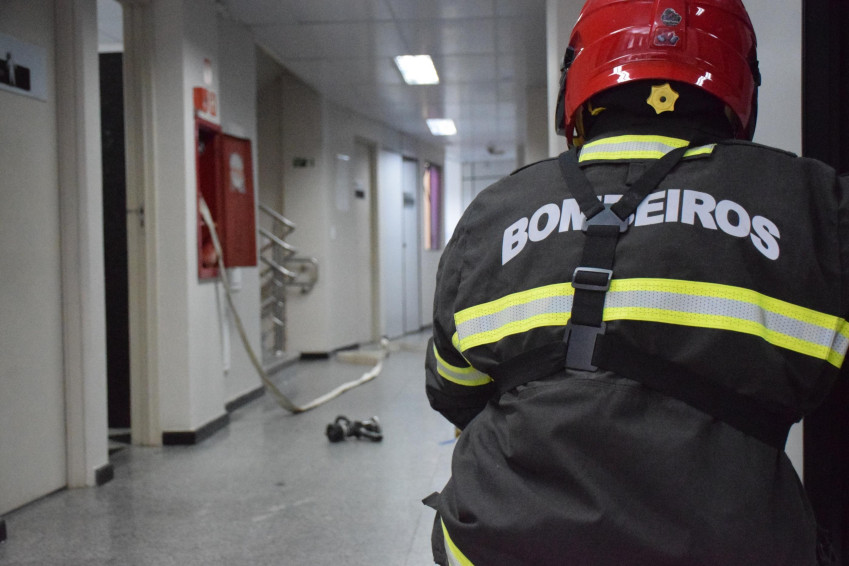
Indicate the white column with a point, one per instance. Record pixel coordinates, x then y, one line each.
560 17
141 228
81 212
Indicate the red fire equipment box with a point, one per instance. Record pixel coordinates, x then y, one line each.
225 181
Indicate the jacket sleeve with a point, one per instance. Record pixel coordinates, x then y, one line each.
454 388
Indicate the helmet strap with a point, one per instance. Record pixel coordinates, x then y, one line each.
560 110
580 132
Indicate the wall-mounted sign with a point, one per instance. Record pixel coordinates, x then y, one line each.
22 67
301 162
206 104
207 72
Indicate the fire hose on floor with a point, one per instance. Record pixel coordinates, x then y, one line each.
278 396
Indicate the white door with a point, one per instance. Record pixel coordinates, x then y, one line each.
362 167
390 238
411 245
32 395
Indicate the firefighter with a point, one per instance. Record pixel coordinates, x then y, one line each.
625 333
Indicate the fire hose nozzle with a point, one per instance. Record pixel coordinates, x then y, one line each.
342 428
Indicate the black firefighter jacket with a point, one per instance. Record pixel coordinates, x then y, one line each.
734 269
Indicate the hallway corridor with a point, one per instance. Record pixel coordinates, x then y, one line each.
269 489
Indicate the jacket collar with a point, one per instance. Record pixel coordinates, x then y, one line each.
635 147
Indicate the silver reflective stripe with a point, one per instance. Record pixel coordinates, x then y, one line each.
547 306
805 335
686 303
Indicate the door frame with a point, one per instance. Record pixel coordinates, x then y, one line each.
139 112
825 136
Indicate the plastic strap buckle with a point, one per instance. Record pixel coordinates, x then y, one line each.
580 345
605 217
592 278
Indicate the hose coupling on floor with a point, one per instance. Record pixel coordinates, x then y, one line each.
342 428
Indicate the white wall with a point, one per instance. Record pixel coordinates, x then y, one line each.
32 427
348 265
202 361
392 147
239 118
207 313
319 199
171 230
307 204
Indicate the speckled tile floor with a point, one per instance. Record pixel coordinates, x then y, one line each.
269 489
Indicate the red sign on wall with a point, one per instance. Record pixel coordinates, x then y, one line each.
206 104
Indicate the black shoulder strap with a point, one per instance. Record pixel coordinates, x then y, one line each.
603 225
585 195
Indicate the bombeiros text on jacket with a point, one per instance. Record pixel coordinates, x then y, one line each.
695 208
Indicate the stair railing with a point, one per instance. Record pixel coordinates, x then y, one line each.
282 269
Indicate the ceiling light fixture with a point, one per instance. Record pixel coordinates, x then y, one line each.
417 69
442 126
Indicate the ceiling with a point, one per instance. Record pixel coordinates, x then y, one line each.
488 54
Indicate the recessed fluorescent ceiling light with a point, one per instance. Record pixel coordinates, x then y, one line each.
442 126
417 69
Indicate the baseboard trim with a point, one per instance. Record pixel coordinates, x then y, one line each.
315 355
104 474
190 437
244 399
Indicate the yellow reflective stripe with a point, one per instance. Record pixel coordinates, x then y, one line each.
703 150
455 556
467 376
637 147
634 138
686 303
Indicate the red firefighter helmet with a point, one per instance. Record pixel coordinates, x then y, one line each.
709 44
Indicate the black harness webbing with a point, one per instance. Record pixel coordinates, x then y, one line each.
603 225
585 345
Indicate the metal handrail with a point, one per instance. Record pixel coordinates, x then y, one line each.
278 217
271 302
276 276
308 266
289 249
279 269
